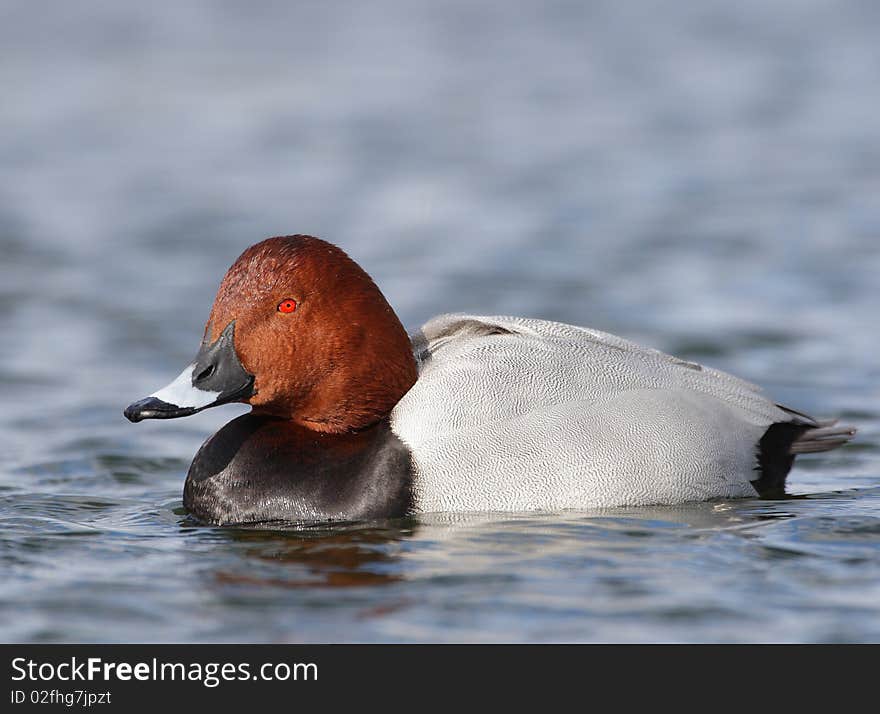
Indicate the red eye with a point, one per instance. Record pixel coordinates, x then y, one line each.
287 305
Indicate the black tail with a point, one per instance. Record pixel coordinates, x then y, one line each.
785 440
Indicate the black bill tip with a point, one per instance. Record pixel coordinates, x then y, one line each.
152 408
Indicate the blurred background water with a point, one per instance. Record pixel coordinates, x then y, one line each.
701 177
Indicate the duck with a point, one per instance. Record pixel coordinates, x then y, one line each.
354 419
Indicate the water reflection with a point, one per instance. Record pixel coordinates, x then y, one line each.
340 556
368 555
712 515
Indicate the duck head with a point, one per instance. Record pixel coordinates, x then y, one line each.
299 331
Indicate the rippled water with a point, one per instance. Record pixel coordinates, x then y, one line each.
701 177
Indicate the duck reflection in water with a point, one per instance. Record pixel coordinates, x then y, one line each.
341 556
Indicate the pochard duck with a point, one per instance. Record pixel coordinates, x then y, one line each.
353 419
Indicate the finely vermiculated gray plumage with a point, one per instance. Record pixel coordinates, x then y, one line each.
511 413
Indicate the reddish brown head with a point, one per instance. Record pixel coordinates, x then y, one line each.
323 345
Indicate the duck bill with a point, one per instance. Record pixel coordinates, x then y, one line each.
215 377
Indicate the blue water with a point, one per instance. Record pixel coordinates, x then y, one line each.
700 177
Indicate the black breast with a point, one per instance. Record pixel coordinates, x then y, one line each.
259 469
